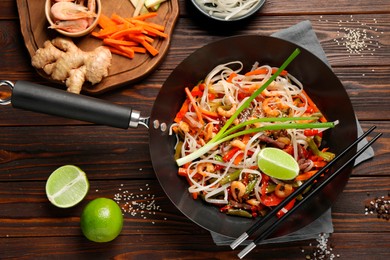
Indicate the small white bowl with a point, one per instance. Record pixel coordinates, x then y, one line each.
75 34
203 9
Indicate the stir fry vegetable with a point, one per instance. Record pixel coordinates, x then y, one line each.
228 118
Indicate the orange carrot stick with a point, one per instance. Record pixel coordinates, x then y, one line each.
193 102
120 20
153 28
125 32
150 48
105 22
114 42
127 50
119 52
143 16
139 49
158 27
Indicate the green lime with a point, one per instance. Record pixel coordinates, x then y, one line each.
67 186
277 163
101 220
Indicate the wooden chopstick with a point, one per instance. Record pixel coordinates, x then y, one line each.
274 225
298 191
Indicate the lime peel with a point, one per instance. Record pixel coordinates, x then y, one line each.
277 163
101 220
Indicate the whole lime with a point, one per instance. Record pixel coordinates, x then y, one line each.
101 220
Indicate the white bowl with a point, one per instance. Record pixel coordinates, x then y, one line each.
199 4
74 34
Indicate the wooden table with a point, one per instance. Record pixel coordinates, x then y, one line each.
118 161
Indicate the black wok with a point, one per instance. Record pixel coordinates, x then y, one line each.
318 80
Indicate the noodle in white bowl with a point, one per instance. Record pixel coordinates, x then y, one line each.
228 10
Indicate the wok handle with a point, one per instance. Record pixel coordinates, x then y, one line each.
43 99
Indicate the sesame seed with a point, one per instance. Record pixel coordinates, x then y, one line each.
137 205
321 250
357 37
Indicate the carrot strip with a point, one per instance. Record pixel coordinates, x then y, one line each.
264 71
110 41
125 32
153 28
143 16
183 110
119 52
120 20
139 49
150 48
208 113
231 76
196 108
105 22
158 27
126 36
257 72
305 176
148 39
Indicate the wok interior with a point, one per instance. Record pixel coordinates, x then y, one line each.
319 82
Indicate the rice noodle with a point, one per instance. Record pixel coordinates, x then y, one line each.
227 9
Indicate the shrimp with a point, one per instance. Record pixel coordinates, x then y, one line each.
273 106
209 132
70 11
283 190
71 26
240 187
238 143
228 113
205 168
91 5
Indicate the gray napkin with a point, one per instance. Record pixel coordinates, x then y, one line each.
303 35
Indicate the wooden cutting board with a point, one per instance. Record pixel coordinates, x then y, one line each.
123 71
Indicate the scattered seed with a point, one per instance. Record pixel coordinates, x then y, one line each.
379 206
137 205
321 250
358 38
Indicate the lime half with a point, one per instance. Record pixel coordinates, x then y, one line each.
67 186
277 163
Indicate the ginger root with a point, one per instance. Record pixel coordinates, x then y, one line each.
64 61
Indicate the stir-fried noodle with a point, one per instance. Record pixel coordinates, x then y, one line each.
228 174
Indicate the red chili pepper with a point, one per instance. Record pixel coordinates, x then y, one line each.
289 149
286 208
264 184
225 208
241 95
319 164
196 93
218 167
211 96
230 154
202 86
310 132
271 200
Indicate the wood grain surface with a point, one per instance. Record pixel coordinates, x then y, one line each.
33 145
